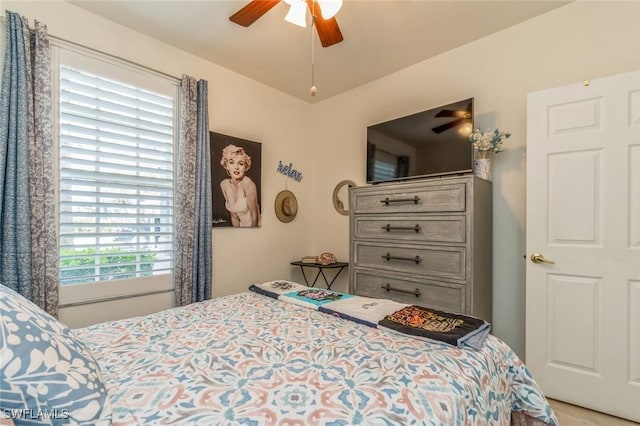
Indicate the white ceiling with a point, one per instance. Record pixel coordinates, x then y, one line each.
380 36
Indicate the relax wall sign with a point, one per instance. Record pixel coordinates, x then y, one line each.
289 171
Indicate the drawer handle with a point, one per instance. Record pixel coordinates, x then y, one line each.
410 259
387 201
416 228
389 288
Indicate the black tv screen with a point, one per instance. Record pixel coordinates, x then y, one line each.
429 143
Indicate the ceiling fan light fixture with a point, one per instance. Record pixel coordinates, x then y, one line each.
465 129
297 13
329 8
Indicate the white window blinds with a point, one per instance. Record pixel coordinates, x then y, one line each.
116 179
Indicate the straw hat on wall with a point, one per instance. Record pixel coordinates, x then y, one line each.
286 206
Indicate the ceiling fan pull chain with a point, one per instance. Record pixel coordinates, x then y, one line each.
313 89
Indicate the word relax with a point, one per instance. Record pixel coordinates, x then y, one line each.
289 171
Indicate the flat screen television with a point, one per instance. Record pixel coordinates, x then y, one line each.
429 143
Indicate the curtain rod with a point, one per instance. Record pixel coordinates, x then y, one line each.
53 38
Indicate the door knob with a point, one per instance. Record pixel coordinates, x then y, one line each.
539 258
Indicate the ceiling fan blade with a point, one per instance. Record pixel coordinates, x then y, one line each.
328 29
446 126
466 113
252 12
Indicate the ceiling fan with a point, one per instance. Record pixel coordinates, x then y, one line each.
328 30
461 116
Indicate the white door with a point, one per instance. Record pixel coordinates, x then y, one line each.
583 213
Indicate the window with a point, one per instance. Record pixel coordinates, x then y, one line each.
116 131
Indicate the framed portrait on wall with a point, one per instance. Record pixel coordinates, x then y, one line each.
236 166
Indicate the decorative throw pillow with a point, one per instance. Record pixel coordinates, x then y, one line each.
47 376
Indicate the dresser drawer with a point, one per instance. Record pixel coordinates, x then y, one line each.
447 297
423 229
418 199
441 262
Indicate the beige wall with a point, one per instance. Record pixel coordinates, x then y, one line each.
578 41
581 40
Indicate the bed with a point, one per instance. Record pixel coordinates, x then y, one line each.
251 359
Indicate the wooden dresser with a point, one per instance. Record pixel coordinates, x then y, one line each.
426 242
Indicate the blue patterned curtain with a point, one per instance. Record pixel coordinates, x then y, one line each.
202 268
28 235
193 270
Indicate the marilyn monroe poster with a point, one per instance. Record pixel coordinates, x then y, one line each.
235 179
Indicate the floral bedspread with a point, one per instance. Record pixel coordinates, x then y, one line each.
252 360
